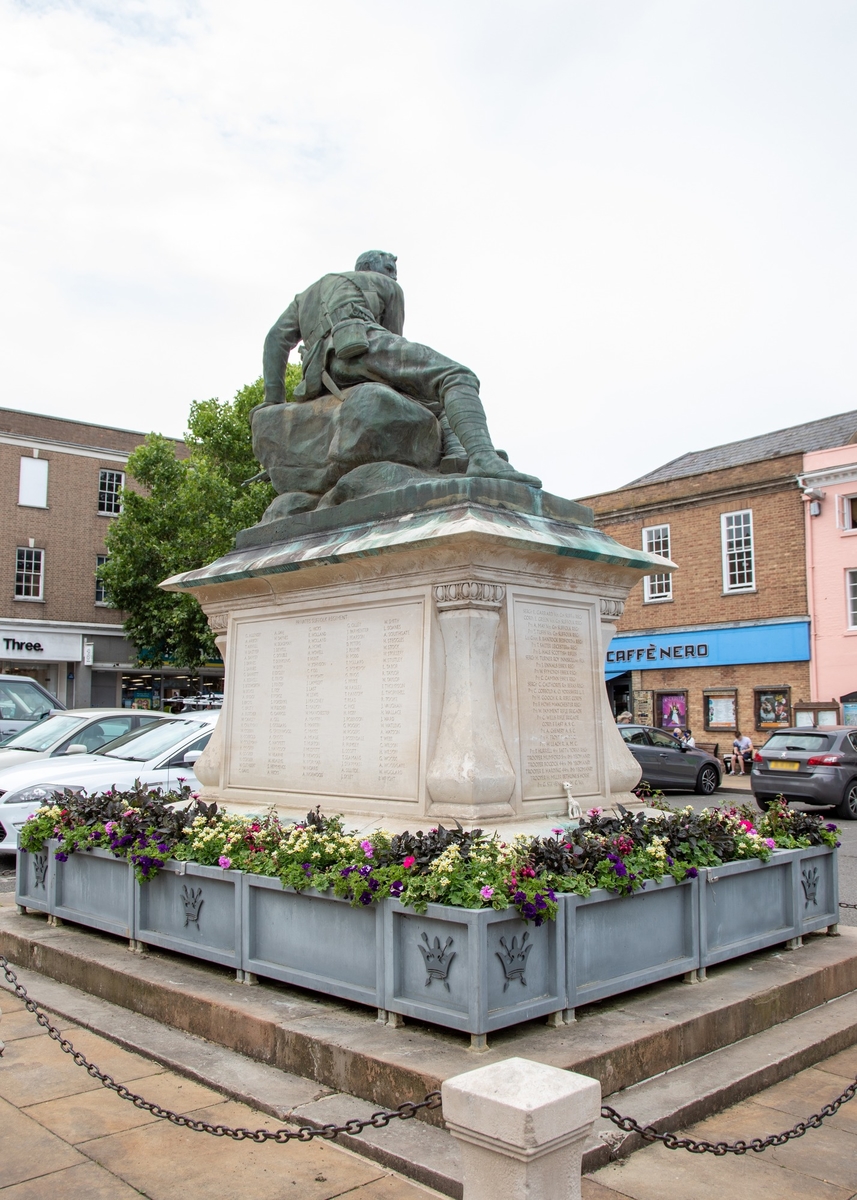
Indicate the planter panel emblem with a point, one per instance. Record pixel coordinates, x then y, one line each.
437 959
513 959
193 902
809 883
40 870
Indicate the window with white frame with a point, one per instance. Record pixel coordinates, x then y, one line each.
656 540
110 485
100 589
736 535
851 585
33 483
29 573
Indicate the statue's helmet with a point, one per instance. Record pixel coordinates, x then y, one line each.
377 260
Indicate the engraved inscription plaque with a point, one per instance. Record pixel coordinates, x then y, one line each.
329 703
556 699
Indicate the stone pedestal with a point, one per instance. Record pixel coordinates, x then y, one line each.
439 663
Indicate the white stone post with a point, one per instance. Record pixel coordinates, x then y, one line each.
470 775
623 770
522 1126
208 766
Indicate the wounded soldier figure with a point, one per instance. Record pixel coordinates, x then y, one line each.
350 326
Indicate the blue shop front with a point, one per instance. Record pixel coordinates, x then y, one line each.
714 679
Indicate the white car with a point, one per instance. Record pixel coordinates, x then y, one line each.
160 755
75 731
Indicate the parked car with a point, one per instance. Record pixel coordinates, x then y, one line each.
22 703
161 755
814 766
669 764
75 731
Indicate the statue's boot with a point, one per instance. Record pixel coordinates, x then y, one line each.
467 417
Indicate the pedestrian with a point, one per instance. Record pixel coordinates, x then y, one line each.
742 754
624 718
689 739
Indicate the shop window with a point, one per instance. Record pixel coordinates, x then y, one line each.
29 573
110 485
671 710
656 540
100 589
720 709
736 534
33 483
851 580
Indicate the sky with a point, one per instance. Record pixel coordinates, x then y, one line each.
633 219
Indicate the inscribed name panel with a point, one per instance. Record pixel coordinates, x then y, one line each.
556 699
329 703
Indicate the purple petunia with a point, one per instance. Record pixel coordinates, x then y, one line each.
396 888
519 897
692 872
364 871
366 898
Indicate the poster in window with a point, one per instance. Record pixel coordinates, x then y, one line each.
672 710
773 709
721 710
849 712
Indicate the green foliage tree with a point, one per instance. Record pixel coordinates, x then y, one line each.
188 514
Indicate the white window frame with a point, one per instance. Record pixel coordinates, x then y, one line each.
26 558
100 560
728 586
851 598
33 483
657 588
107 489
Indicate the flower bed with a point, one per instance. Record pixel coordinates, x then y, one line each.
470 931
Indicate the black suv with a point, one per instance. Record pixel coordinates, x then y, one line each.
815 766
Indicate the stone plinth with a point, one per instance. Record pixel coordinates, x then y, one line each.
445 662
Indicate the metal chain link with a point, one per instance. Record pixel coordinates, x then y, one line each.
673 1142
303 1133
844 904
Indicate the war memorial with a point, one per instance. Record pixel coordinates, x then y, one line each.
415 630
414 637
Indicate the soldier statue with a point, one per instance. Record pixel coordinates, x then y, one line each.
350 326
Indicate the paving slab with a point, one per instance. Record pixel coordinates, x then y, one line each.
26 1149
87 1181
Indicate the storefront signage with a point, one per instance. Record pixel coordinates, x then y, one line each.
34 645
653 653
774 642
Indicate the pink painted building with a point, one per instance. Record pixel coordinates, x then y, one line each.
829 482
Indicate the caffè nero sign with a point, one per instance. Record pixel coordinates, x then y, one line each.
30 645
653 653
715 646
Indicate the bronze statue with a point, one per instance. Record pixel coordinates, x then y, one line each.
350 326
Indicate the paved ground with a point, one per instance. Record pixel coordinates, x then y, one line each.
822 1165
63 1135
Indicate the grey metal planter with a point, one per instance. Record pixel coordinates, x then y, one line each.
746 906
816 883
33 879
472 969
191 909
615 943
313 939
93 888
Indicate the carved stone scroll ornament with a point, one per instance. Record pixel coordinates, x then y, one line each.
470 775
218 622
612 609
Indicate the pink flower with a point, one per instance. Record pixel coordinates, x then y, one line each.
408 862
109 827
594 812
366 847
224 862
486 893
770 843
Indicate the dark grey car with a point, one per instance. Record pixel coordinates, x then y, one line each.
668 764
815 766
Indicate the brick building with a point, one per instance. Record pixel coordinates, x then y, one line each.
60 484
724 642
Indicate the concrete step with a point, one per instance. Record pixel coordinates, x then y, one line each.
343 1048
429 1155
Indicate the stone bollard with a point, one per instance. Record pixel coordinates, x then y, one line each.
522 1127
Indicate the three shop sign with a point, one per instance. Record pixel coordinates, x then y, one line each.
48 647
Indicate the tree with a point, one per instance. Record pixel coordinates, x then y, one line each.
187 516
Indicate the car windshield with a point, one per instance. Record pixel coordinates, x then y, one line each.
147 743
43 735
809 743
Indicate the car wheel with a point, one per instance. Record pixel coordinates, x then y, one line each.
765 802
847 807
707 781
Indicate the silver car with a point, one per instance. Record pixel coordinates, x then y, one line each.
669 764
814 766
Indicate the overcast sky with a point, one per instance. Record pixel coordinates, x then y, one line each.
633 219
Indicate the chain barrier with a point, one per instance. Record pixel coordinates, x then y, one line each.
303 1133
844 904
